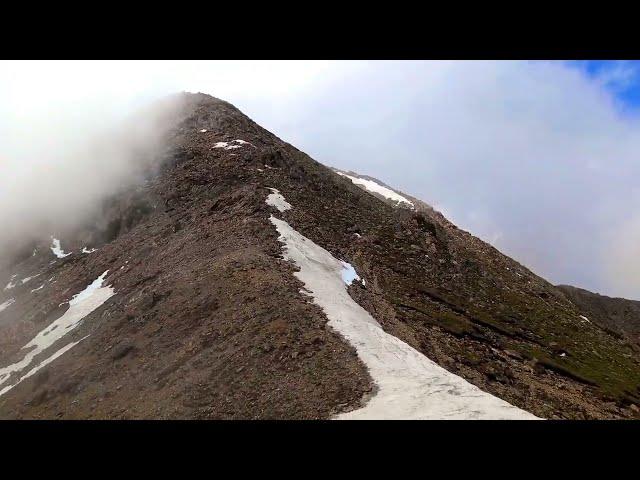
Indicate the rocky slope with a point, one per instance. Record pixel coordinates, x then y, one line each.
619 316
205 318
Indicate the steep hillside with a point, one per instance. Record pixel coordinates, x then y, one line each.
619 316
194 312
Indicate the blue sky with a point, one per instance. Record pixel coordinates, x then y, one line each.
620 77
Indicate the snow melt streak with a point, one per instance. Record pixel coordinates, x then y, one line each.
6 304
377 188
410 386
80 306
10 285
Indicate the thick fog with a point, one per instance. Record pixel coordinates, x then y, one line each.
535 157
60 157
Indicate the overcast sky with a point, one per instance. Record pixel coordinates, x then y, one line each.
541 159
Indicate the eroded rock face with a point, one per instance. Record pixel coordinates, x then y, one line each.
208 321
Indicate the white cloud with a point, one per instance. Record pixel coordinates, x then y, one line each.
533 155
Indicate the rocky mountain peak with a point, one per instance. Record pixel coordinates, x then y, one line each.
243 279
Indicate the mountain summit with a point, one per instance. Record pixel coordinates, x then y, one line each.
243 279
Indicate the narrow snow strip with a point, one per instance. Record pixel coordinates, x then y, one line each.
57 249
348 273
8 303
42 364
39 288
410 386
25 280
275 199
80 306
377 188
10 285
585 318
88 250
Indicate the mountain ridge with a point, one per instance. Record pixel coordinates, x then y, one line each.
208 321
618 316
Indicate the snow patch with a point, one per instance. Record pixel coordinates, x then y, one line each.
585 319
4 305
377 188
410 386
275 199
88 250
203 130
57 249
81 305
42 364
348 273
39 288
230 146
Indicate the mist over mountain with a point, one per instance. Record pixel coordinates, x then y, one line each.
57 179
202 267
545 152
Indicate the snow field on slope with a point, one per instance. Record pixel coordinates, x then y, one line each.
410 386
